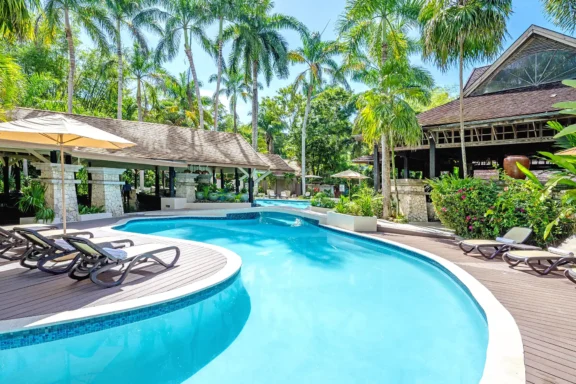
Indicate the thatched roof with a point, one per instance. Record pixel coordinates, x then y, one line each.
276 163
167 142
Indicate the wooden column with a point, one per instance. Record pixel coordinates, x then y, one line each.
432 158
172 175
90 184
376 168
221 178
250 186
237 179
406 169
213 175
53 157
67 159
156 182
6 176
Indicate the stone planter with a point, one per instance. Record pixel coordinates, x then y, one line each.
512 170
95 216
204 179
199 195
320 209
213 196
352 223
244 197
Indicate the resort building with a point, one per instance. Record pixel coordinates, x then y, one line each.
507 107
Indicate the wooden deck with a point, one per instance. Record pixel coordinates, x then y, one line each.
30 293
544 307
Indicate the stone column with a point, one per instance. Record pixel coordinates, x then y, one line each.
412 199
141 180
51 178
106 191
186 186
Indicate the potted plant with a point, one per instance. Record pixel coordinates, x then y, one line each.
244 195
32 200
199 195
213 194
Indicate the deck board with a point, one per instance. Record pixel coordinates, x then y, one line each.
544 307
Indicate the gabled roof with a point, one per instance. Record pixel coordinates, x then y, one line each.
166 142
532 33
476 73
276 163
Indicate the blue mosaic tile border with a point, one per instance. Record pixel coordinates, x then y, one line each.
34 336
419 256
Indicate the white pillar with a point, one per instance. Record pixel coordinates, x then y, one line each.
25 167
141 177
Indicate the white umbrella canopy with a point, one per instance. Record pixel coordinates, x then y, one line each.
350 174
61 131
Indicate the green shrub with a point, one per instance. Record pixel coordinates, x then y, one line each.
85 210
474 208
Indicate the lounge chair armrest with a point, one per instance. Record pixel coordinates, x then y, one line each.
505 240
561 252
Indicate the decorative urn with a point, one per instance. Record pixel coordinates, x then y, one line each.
512 170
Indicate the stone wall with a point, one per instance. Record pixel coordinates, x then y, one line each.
106 189
186 186
412 199
50 177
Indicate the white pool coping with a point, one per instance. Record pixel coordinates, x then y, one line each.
504 355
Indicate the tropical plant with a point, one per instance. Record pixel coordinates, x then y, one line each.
562 13
10 82
32 199
184 18
91 17
86 210
235 86
258 47
16 17
319 58
463 31
129 15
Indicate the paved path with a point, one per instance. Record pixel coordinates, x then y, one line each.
544 307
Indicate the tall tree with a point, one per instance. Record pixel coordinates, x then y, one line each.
258 47
147 73
91 17
221 11
10 77
318 58
185 18
562 13
16 17
235 86
128 15
463 31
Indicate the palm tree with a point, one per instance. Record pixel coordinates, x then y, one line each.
147 74
10 77
385 112
562 13
91 17
318 57
235 86
463 31
258 47
16 17
128 15
221 11
184 18
182 104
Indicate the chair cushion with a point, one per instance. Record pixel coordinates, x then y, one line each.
561 252
505 240
116 254
64 244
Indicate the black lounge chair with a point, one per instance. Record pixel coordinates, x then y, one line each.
96 260
55 256
513 239
555 257
9 240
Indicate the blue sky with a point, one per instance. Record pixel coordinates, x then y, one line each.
318 15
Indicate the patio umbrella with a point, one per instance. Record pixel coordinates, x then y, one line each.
568 152
60 131
349 175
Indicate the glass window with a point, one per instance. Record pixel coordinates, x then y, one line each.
532 70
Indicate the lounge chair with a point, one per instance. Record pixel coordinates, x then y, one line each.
307 194
10 240
271 194
96 260
284 195
554 256
570 273
513 239
55 256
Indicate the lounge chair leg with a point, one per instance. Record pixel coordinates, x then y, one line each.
31 255
512 263
497 251
57 269
466 250
569 276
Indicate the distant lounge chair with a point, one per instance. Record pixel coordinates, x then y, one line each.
271 194
554 256
307 194
96 260
285 195
10 240
513 239
55 256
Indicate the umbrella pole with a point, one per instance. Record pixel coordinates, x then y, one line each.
62 186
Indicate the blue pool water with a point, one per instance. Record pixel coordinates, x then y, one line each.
298 204
309 306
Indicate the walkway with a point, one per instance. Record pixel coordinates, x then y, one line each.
544 307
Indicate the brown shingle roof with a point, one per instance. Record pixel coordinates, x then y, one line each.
500 105
167 142
476 73
276 163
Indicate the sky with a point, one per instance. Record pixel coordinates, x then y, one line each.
322 15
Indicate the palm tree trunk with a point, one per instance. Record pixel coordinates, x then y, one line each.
385 177
255 105
188 52
393 158
139 99
306 113
217 94
120 70
72 59
462 133
235 117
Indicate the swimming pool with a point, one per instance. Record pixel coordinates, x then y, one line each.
298 204
310 305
